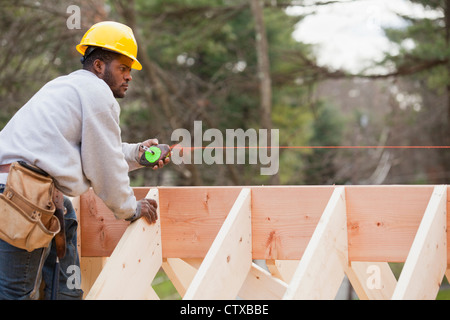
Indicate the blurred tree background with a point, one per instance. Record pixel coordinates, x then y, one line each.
235 64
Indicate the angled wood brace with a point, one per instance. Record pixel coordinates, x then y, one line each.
425 266
130 270
320 272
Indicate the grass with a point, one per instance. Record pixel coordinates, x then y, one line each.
164 287
444 294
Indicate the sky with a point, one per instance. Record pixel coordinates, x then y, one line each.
349 35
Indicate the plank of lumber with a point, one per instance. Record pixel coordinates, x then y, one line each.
284 219
425 266
90 268
282 269
448 223
261 285
100 230
447 272
371 280
180 273
383 221
192 217
229 258
321 269
130 270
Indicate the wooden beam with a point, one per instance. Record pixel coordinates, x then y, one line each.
261 285
90 268
371 280
321 269
130 270
100 230
229 259
425 266
180 273
282 269
448 223
383 221
284 219
192 217
194 262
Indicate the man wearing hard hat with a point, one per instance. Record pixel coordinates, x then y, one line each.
65 140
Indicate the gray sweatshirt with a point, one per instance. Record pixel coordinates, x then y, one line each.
70 129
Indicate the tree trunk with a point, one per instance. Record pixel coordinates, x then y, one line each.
262 52
447 39
265 82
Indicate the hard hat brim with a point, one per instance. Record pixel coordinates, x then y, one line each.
81 48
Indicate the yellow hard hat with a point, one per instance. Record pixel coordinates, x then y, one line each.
113 36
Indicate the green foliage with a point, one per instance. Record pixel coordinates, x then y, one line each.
422 41
35 47
164 287
207 53
200 63
204 67
327 132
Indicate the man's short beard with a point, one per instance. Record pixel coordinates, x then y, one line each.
108 78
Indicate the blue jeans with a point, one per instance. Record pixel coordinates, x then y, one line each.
21 271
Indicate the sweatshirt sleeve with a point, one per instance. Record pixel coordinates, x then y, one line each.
131 152
105 164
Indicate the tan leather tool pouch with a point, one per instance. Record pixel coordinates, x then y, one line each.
27 218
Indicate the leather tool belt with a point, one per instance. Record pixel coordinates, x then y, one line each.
31 209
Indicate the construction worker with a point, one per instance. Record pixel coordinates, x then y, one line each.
70 129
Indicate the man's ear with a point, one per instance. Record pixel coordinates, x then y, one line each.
98 67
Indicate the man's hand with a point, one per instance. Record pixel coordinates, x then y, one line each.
149 143
148 210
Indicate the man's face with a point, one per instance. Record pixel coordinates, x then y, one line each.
117 74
